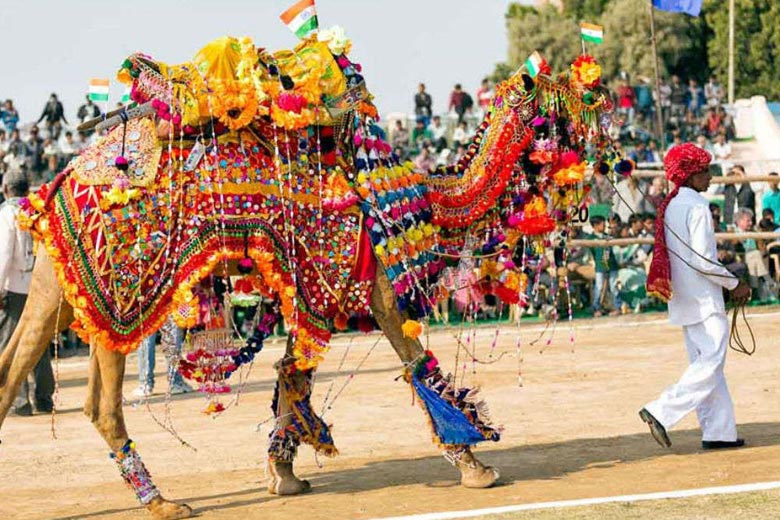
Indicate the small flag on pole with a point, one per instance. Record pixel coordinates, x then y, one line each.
301 18
98 89
591 33
126 96
534 64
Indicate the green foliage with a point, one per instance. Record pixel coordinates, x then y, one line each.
687 46
546 30
756 45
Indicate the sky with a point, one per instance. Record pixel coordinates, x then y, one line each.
58 45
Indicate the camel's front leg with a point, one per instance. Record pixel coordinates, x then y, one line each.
296 422
104 408
383 304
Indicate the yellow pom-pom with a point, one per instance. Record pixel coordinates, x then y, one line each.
412 329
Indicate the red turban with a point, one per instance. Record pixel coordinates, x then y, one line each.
681 162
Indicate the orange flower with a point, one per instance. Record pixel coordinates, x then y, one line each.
542 157
412 329
570 175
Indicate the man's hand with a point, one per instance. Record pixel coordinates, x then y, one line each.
741 293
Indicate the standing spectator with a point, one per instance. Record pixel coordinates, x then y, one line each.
54 115
484 95
713 123
771 199
695 97
438 133
640 154
9 115
629 199
4 141
423 105
173 338
626 100
713 92
677 97
88 110
737 196
460 102
17 151
16 264
35 151
644 98
424 162
606 270
754 258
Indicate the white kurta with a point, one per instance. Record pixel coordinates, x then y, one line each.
697 304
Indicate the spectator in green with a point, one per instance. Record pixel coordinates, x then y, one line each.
771 199
419 134
606 270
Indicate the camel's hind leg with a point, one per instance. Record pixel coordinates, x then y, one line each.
33 335
104 408
383 305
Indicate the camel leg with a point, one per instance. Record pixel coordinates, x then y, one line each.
104 408
284 442
33 335
383 305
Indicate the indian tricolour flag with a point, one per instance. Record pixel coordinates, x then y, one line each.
126 96
301 18
534 64
98 89
592 33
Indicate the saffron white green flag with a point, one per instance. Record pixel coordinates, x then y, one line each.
98 89
592 33
126 96
534 64
301 18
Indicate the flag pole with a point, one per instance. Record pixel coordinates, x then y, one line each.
659 119
731 52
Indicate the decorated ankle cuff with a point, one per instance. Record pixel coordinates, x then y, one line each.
283 445
135 473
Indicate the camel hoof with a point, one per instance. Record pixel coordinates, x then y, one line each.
163 509
480 477
284 482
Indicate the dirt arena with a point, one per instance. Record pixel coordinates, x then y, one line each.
571 432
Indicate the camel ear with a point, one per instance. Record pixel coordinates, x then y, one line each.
528 83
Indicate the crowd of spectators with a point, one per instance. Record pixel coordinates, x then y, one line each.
44 146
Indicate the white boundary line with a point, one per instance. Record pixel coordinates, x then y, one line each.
685 493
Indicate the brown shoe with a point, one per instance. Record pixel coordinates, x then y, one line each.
657 429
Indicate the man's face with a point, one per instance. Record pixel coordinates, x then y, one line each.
700 181
744 223
649 224
598 227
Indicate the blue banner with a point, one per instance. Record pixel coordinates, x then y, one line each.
691 7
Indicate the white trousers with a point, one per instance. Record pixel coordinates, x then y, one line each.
703 385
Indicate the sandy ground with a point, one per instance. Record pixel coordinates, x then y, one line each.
570 432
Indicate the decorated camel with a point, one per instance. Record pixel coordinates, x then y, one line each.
273 164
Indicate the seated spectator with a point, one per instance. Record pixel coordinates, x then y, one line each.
713 122
716 217
656 194
69 148
640 154
438 134
771 199
606 271
420 134
602 191
721 151
652 150
461 135
425 162
400 137
615 222
631 275
51 155
767 222
460 102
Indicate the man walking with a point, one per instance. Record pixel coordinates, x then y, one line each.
685 272
16 263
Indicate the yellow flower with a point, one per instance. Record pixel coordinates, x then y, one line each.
412 329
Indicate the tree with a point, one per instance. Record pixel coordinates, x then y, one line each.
756 45
584 10
627 45
554 35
